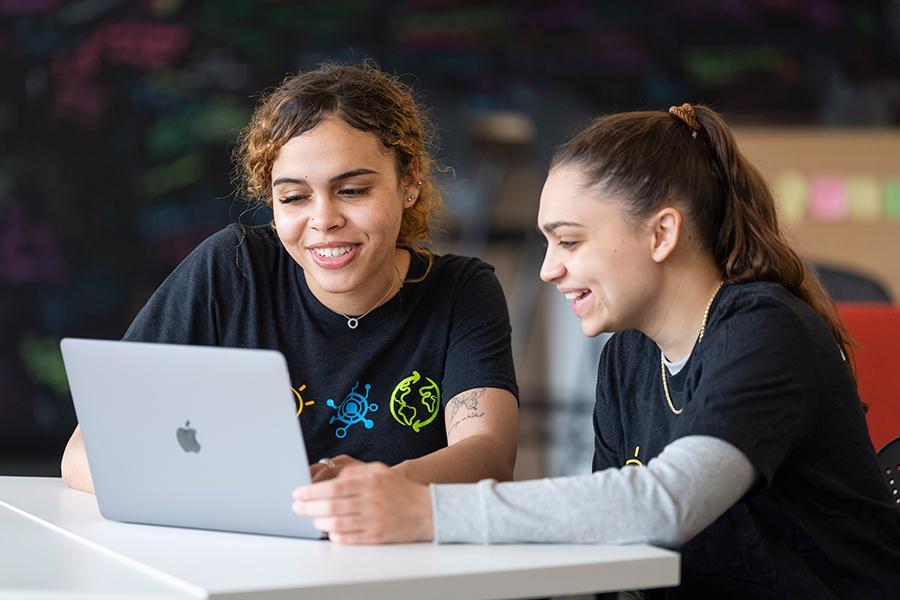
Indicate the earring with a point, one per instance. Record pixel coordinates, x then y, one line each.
272 225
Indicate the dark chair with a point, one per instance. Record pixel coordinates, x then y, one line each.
848 285
889 459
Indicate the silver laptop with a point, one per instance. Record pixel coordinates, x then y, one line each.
190 436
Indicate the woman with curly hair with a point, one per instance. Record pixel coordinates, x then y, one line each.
395 355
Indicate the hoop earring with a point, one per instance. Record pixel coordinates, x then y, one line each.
272 225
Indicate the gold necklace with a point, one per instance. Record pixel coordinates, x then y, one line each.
353 322
662 358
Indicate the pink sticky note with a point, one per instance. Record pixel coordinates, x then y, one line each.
828 199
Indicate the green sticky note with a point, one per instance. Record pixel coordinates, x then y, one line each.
892 199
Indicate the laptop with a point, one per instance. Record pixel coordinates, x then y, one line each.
190 436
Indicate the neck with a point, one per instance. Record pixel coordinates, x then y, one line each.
380 288
681 305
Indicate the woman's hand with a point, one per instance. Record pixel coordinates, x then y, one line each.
76 473
368 504
329 468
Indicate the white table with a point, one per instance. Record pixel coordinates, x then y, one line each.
54 543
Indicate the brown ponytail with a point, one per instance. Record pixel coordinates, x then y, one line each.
650 158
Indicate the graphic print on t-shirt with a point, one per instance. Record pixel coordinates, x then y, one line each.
420 409
352 410
635 460
300 401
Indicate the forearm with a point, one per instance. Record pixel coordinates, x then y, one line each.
472 459
667 502
76 472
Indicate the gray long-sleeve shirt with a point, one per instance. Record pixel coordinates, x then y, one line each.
689 485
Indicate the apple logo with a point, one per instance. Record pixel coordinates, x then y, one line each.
187 438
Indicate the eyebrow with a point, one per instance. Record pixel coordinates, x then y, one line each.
554 225
336 178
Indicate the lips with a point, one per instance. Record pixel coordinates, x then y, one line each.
333 255
579 300
336 252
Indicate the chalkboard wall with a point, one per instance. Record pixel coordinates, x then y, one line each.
117 118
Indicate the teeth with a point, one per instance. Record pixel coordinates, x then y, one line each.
572 295
332 252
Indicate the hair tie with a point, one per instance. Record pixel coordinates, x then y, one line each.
686 113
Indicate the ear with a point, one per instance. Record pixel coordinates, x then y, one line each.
665 228
410 186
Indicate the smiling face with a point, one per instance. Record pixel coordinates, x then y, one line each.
600 261
337 200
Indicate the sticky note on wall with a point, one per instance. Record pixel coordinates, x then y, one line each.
892 199
864 198
791 192
828 199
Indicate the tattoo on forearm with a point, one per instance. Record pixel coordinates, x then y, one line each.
468 400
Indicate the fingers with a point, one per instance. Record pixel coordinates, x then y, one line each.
324 473
327 508
341 525
333 488
368 504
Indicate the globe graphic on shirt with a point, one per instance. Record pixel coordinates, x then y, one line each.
415 401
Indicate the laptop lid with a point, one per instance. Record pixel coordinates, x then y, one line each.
190 436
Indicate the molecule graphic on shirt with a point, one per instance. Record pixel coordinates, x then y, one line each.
352 409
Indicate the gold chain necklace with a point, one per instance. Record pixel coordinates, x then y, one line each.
662 358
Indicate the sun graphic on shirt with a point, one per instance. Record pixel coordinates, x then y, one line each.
300 402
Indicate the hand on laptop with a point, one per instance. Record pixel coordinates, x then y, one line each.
76 473
329 468
368 504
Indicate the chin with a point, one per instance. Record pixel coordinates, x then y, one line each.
590 329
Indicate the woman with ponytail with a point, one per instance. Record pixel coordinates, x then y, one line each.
727 421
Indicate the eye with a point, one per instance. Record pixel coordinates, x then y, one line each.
567 245
293 198
358 191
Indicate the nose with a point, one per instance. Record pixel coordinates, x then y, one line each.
552 268
326 214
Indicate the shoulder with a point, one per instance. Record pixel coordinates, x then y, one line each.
236 238
230 257
457 276
452 267
767 310
762 321
236 247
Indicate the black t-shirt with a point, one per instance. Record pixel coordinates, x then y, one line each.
376 392
769 378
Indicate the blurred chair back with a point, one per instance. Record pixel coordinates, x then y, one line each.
851 285
875 328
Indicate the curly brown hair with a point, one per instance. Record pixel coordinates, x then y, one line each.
365 98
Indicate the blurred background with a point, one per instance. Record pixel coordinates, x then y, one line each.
117 119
